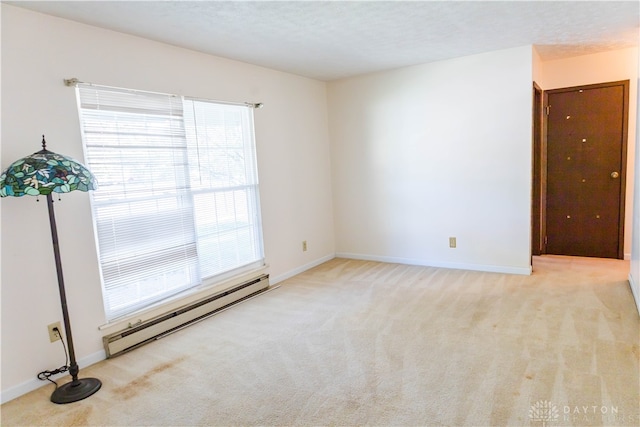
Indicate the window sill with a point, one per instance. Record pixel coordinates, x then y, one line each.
178 301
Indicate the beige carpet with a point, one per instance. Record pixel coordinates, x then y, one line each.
366 343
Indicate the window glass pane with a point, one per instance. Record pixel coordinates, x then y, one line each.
224 180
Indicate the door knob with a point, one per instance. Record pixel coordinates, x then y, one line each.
614 175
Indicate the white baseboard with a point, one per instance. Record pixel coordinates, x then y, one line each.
442 264
281 277
34 384
635 288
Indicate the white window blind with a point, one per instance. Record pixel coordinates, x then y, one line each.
177 200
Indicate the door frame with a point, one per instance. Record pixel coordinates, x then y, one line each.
539 190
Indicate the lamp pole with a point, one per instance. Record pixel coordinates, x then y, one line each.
73 366
76 389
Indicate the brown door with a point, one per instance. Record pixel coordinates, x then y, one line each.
586 156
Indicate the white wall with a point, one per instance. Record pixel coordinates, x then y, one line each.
600 68
537 67
38 52
427 152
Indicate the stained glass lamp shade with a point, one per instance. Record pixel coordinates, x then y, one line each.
41 174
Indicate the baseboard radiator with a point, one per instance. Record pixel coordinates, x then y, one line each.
126 340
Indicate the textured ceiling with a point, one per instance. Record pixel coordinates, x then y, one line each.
331 40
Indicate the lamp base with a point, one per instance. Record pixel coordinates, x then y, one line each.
76 390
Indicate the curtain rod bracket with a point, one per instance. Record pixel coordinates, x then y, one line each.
71 82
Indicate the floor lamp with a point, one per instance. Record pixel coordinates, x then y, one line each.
42 174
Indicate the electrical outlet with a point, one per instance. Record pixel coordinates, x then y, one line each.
452 242
304 246
54 335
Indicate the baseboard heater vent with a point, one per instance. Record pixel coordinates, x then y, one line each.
153 329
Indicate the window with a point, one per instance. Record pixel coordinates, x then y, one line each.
177 202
